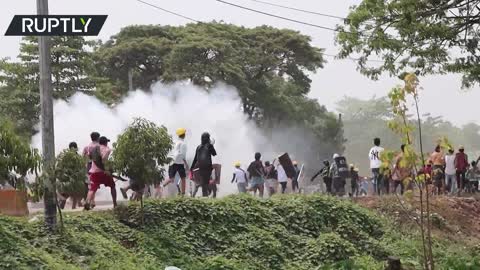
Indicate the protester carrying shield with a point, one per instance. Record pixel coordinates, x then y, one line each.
339 173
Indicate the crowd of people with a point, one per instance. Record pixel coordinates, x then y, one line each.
448 173
97 154
442 173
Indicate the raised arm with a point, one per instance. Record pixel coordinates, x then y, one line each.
212 150
315 175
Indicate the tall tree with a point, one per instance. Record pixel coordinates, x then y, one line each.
19 97
19 94
268 66
429 36
207 53
71 62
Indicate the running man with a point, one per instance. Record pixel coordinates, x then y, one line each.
240 176
375 164
257 174
179 165
99 174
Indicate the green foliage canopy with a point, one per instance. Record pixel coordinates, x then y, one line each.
141 151
16 155
207 53
72 71
70 172
429 36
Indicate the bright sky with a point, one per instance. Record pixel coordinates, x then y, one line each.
442 94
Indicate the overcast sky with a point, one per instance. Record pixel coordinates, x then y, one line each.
442 95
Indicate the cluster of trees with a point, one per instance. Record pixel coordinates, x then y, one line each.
16 156
364 120
268 66
429 37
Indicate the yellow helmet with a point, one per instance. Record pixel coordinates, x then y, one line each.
237 164
181 131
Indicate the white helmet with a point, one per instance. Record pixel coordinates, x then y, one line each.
335 156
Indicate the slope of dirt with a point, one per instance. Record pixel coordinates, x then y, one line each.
451 216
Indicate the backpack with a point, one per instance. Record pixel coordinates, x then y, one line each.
96 156
204 157
461 161
342 167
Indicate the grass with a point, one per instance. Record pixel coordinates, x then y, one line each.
236 232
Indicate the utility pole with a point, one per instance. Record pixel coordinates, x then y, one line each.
46 116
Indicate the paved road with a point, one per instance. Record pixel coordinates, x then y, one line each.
35 208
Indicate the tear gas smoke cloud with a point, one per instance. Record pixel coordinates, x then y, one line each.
178 105
217 111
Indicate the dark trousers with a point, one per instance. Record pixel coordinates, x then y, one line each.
205 175
212 188
284 186
377 181
460 179
294 185
386 185
355 190
396 183
339 186
328 184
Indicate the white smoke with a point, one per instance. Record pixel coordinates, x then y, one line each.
217 111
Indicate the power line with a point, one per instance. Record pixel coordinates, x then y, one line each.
300 10
281 17
168 11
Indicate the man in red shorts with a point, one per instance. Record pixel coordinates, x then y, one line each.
98 174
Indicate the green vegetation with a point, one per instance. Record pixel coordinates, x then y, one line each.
141 151
236 232
407 35
70 172
16 156
268 66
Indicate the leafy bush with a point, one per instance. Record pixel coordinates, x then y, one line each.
70 172
284 231
16 156
141 151
237 232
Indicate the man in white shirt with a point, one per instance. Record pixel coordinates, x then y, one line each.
240 176
282 177
375 164
179 161
450 172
